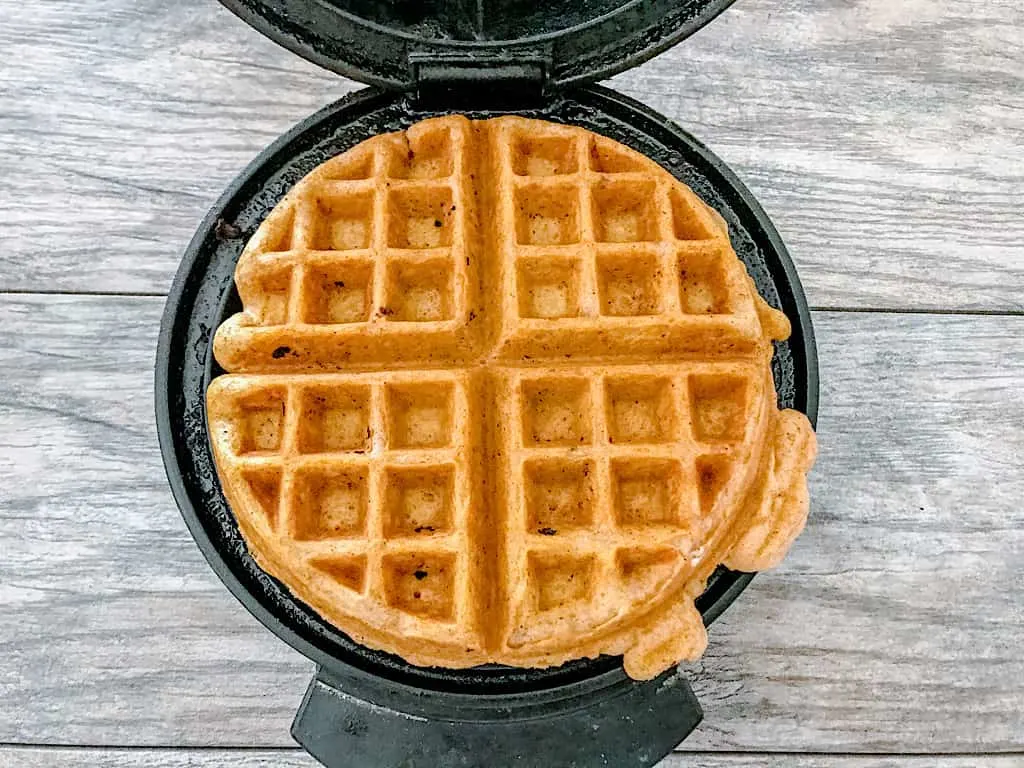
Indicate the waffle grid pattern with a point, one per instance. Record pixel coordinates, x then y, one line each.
375 242
370 477
380 245
601 251
615 474
572 407
597 236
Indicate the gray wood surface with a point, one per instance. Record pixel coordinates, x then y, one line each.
894 625
883 137
112 758
886 140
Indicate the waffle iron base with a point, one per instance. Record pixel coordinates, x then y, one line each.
369 709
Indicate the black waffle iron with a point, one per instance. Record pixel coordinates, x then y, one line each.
483 58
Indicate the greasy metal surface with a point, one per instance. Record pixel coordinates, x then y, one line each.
203 294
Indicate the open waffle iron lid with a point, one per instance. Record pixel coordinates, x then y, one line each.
401 44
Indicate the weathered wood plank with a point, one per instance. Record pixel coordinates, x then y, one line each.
894 617
882 137
30 757
120 123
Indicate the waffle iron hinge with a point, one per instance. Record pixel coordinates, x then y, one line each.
474 79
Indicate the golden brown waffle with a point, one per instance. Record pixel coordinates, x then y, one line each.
501 392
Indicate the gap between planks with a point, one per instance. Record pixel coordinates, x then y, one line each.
102 757
938 311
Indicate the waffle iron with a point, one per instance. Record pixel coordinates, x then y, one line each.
482 58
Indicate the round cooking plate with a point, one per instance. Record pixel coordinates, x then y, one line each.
203 295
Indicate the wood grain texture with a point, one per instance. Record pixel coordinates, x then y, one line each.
883 137
121 121
22 757
894 625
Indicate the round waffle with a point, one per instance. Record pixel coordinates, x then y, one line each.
501 392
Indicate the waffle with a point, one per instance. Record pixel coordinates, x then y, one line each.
501 392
